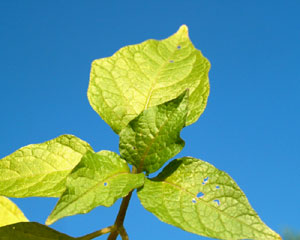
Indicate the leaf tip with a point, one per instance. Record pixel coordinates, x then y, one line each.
184 96
49 221
187 91
183 30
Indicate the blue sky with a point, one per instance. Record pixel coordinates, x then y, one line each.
250 128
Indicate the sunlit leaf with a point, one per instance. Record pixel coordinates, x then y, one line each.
99 179
195 196
10 213
144 75
41 169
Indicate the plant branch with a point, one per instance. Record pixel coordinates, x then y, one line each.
113 235
123 233
119 228
120 218
97 233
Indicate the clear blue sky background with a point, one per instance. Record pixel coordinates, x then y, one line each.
250 128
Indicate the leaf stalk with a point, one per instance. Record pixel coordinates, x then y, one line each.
97 233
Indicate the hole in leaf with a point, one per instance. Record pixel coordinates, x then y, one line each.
105 184
205 180
178 47
171 61
194 200
200 194
217 187
217 202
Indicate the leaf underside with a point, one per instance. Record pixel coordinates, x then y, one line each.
31 231
40 170
153 137
98 180
10 213
195 196
148 74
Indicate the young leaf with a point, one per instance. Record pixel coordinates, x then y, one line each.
99 179
31 231
41 169
195 196
148 74
153 138
10 213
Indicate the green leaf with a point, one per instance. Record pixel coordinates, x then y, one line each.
41 169
31 231
153 137
193 195
10 213
148 74
99 179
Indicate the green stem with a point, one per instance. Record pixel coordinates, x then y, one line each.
120 218
97 233
119 228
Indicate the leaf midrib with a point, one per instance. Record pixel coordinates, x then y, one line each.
21 177
156 76
90 189
141 165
